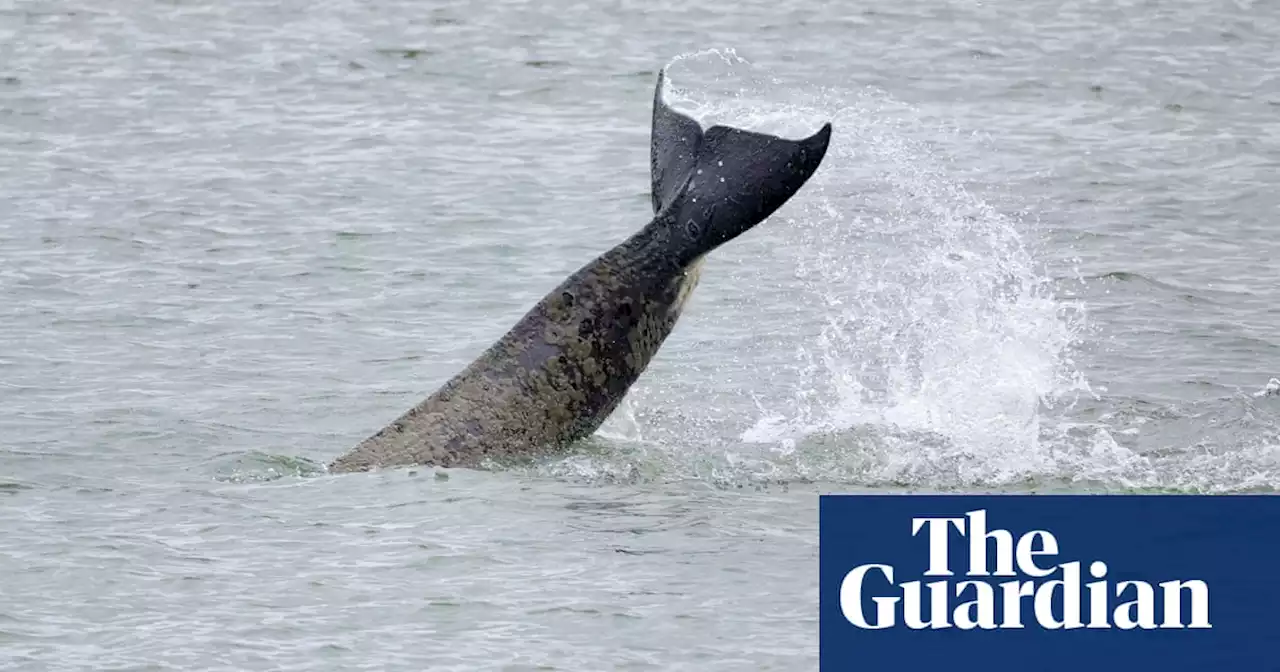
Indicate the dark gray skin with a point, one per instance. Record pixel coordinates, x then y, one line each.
559 373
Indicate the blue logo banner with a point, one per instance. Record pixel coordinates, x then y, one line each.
1047 583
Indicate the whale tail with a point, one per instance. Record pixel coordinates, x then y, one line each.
714 185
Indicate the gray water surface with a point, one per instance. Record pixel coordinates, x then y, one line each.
237 237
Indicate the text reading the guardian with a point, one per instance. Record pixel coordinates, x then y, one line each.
1054 582
1031 555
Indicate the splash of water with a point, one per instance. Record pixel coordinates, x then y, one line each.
939 343
925 348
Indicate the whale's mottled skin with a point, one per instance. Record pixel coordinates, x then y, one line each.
565 366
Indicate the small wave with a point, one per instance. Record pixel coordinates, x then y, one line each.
1198 294
257 466
14 487
1271 389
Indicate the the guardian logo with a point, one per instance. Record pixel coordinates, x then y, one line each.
1039 590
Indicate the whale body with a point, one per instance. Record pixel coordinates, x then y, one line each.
564 367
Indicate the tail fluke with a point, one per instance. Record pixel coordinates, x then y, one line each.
673 147
716 184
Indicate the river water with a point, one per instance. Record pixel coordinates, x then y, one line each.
237 237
